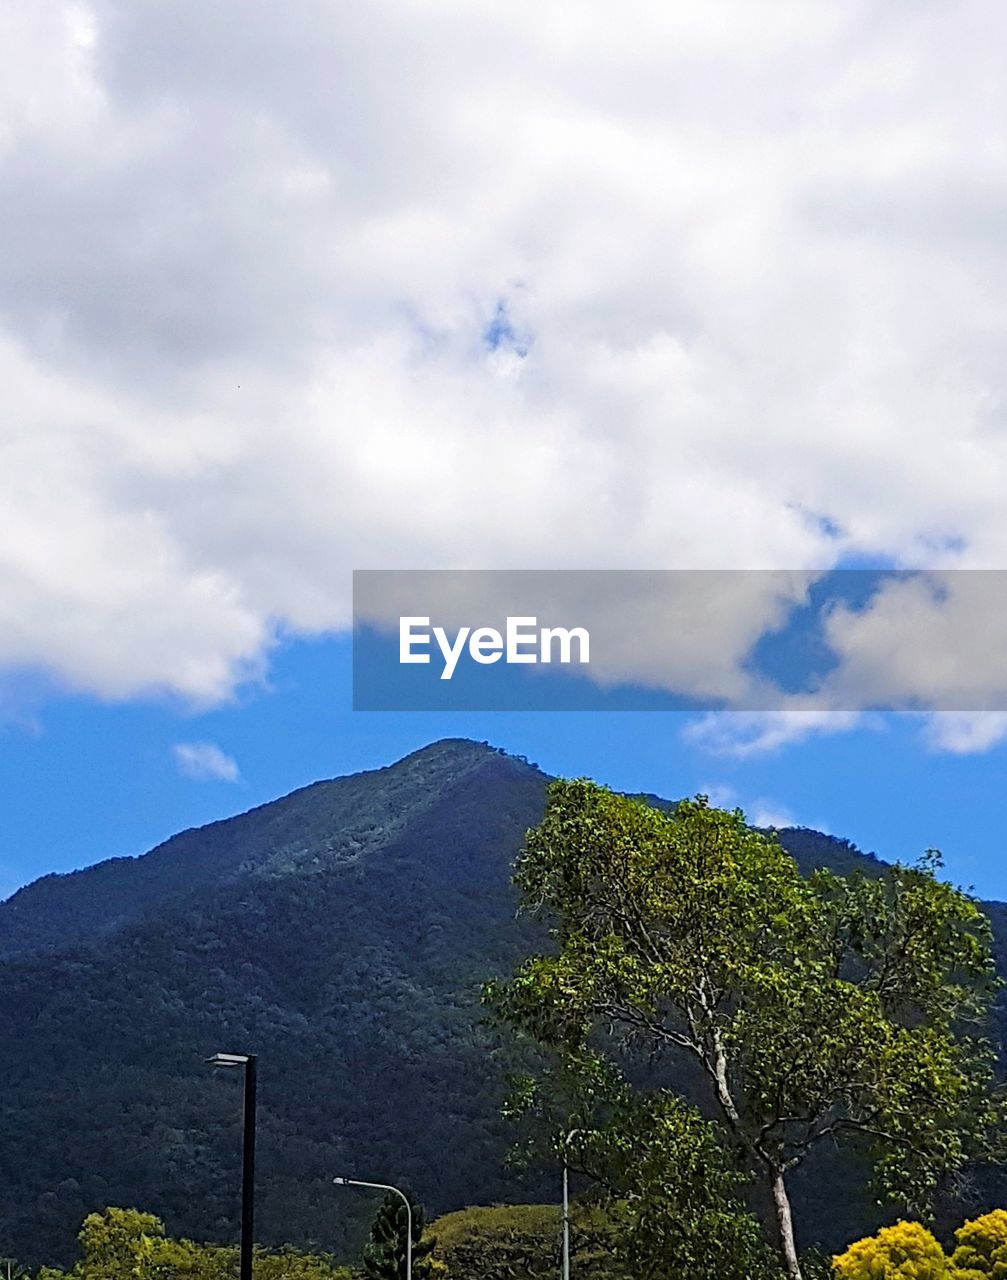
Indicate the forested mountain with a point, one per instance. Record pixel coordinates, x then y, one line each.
341 933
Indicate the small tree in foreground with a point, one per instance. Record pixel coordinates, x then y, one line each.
814 1009
385 1251
125 1244
906 1251
981 1250
522 1242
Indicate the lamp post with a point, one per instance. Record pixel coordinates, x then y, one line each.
249 1061
383 1186
566 1200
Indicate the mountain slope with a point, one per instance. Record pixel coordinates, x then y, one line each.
311 829
348 956
341 933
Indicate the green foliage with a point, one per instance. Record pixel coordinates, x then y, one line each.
507 1242
906 1251
816 1265
672 1194
124 1244
11 1269
815 1009
522 1242
385 1251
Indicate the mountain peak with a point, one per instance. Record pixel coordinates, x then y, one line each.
315 828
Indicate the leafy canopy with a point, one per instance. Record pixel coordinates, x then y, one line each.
125 1244
385 1251
815 1009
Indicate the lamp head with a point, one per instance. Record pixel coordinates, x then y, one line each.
227 1060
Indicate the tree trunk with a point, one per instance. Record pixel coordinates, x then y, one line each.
785 1228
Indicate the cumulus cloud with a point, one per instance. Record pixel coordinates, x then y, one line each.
766 813
935 639
720 795
292 290
760 812
741 734
964 733
205 762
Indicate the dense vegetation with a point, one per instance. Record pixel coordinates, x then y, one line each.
343 934
124 1244
815 1010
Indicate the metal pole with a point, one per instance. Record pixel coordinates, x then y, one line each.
409 1239
574 1133
385 1186
248 1171
566 1219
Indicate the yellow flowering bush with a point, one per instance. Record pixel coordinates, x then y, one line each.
906 1251
981 1250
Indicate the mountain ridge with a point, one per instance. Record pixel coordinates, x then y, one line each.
179 857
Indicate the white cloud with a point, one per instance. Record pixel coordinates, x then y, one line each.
965 732
759 812
720 795
754 252
205 762
765 813
935 640
741 734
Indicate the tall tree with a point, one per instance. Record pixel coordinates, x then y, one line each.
815 1009
385 1251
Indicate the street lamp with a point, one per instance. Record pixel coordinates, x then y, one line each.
249 1062
566 1200
383 1186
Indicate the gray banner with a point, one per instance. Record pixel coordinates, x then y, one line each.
843 640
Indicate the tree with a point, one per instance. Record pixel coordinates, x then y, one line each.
906 1251
385 1251
981 1250
125 1244
813 1009
672 1195
116 1244
521 1242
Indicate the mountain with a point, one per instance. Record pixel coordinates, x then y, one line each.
341 933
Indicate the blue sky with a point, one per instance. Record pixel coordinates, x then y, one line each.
91 781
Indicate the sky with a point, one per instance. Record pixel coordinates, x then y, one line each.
288 291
